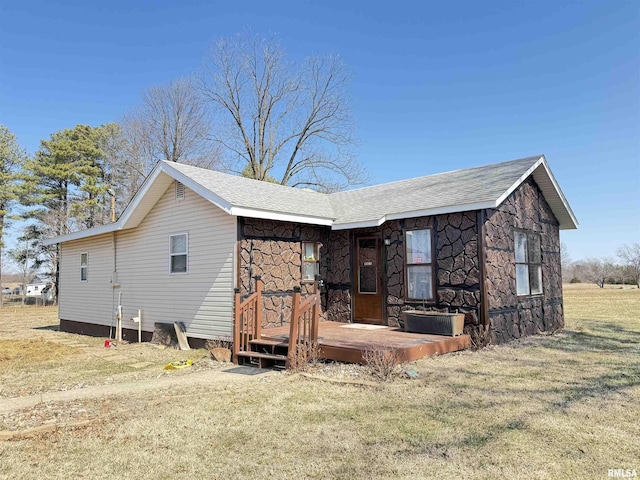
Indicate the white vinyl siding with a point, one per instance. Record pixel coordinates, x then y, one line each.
86 301
202 299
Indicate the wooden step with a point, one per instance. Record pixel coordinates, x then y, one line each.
269 343
264 359
270 356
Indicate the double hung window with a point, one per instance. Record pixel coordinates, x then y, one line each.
419 264
179 252
528 263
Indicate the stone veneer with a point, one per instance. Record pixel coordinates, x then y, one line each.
456 265
512 316
273 250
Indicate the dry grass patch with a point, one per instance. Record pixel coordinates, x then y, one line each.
16 353
32 361
614 302
548 407
27 315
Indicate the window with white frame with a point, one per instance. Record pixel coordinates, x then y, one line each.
84 265
310 260
528 263
179 252
419 264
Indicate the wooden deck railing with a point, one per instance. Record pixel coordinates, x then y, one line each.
303 335
248 319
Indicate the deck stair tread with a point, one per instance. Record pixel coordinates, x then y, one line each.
272 356
269 342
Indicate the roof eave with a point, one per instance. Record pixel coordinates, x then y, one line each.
550 189
569 220
196 187
464 207
122 222
280 216
101 230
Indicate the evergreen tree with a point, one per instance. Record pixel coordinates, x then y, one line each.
12 158
66 184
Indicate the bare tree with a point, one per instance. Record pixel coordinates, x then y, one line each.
170 124
598 270
124 165
279 121
565 261
630 256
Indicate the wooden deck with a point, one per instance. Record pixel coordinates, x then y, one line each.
345 342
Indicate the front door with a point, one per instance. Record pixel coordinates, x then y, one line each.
368 296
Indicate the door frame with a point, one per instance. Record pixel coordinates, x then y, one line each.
382 270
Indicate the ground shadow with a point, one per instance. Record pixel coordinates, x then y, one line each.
54 328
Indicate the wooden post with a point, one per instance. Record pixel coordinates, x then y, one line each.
258 315
293 331
316 313
236 326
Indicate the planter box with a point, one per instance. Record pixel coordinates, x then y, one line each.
435 323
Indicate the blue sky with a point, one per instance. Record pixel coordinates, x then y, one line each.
436 85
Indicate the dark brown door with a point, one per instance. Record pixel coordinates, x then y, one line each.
367 268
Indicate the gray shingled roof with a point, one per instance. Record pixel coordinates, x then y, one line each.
452 189
253 194
458 188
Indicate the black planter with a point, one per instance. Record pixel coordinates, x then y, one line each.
435 323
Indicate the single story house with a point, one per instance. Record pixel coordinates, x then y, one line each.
36 286
483 241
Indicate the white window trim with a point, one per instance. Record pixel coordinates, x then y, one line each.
175 254
528 263
316 246
431 265
85 267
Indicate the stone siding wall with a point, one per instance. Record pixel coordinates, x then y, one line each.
512 316
273 250
338 276
456 266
